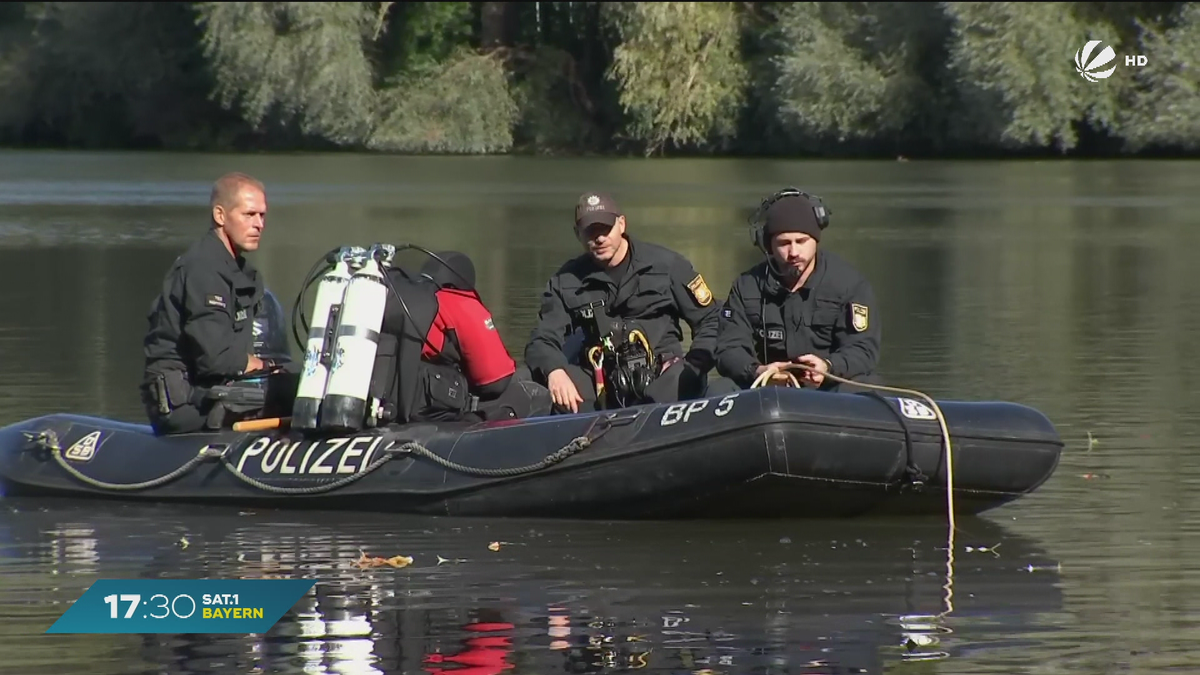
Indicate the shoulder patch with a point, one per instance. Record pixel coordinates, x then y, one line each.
489 324
858 316
215 301
700 291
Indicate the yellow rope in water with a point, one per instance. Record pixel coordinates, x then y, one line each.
768 374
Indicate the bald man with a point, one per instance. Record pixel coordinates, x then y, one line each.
201 325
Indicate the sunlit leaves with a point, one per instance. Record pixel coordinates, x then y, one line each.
1013 73
679 70
301 60
1164 105
462 104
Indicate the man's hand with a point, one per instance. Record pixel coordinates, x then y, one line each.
563 390
814 361
253 363
780 377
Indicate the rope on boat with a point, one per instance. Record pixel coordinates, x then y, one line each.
772 371
49 440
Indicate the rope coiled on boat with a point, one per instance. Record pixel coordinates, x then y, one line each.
48 440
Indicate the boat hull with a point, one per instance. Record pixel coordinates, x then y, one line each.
765 453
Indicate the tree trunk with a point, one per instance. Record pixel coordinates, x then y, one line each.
494 24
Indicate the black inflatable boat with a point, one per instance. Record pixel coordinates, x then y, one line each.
760 453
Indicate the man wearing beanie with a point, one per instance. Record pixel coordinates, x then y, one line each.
800 305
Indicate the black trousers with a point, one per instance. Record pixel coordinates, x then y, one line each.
522 398
210 415
679 382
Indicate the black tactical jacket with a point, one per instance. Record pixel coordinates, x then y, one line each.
833 315
660 288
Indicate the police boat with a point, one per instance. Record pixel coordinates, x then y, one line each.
765 452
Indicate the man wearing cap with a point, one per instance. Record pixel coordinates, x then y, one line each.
621 290
800 305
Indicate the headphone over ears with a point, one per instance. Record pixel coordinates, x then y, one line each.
758 218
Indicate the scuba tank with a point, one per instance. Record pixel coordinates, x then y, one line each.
318 352
344 406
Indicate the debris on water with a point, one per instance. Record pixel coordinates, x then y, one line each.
365 561
1093 476
785 540
183 542
914 640
494 546
450 560
985 549
1092 442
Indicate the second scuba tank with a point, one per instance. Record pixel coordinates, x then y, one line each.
322 336
345 404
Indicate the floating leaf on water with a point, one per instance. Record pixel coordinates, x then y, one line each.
365 561
494 546
183 542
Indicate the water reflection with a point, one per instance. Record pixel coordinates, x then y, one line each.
556 597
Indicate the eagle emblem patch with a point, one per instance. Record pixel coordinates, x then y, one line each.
700 291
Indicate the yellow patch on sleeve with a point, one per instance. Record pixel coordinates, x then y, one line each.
859 318
700 291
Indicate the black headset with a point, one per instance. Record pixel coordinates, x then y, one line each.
757 226
758 218
633 378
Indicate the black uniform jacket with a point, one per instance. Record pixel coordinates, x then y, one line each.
833 315
201 322
660 288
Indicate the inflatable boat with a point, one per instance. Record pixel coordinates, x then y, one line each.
771 452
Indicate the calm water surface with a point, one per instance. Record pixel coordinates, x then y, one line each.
1065 286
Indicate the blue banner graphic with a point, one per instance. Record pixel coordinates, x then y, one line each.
181 606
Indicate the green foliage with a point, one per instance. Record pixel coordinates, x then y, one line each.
424 33
460 105
852 69
1013 78
1164 105
680 75
303 61
918 78
553 101
70 77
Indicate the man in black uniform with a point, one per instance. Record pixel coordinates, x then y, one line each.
602 307
201 326
800 305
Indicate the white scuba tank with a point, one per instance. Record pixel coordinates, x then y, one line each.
344 407
318 351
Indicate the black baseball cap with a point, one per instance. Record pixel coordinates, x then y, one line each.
596 207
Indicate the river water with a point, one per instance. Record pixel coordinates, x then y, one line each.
1061 285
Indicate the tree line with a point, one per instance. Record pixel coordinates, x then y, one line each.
833 79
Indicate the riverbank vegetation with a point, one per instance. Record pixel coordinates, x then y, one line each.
831 79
